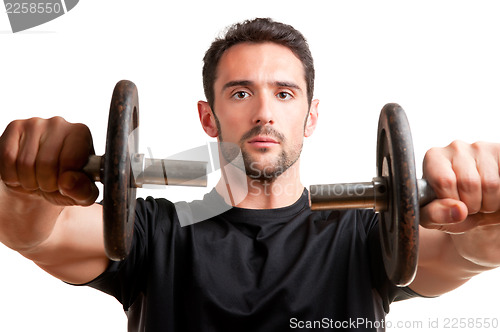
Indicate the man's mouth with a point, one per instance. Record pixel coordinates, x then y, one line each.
262 142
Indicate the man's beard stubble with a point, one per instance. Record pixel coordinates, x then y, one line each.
261 173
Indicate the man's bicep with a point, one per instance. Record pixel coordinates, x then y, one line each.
74 252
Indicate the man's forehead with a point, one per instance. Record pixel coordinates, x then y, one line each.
259 62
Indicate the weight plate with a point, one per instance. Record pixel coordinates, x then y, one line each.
119 194
399 224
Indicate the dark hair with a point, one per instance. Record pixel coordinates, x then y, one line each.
258 30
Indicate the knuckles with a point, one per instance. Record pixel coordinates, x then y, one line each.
490 184
432 155
83 131
8 156
469 183
470 170
458 146
446 182
36 152
443 178
22 141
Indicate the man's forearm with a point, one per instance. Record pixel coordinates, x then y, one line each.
443 265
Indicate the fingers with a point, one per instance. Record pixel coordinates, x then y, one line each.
78 187
76 148
452 217
469 173
47 162
438 170
73 156
9 149
488 167
446 215
28 150
443 212
46 157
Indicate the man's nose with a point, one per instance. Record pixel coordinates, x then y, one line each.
263 114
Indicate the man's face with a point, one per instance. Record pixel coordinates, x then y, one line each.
261 105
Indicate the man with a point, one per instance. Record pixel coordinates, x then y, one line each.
269 263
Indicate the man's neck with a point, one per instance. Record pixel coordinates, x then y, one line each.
245 192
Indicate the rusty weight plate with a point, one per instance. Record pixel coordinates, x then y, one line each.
399 224
119 195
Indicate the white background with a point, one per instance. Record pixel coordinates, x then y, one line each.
438 59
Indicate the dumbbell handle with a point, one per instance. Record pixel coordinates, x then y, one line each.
361 195
155 171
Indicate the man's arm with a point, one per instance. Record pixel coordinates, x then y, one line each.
46 203
461 237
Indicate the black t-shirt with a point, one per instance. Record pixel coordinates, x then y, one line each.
251 270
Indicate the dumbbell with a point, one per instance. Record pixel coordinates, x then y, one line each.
395 193
121 170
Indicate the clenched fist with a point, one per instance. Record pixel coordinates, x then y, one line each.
44 157
466 179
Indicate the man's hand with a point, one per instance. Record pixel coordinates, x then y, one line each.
45 158
466 179
40 189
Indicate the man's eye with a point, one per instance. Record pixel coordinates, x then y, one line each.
284 95
241 95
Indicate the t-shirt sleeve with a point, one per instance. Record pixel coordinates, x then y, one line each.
386 289
124 279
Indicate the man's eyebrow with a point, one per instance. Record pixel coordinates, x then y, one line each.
231 84
285 84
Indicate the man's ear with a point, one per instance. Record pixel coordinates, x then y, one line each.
207 119
312 118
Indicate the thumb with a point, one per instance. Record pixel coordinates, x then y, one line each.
78 187
442 213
